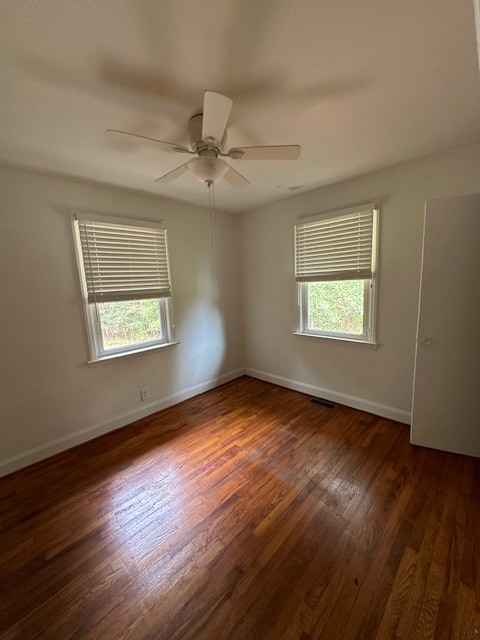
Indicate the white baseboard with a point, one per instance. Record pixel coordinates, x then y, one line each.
392 413
48 449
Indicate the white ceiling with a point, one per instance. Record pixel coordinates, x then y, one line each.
360 85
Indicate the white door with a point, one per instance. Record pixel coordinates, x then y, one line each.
446 396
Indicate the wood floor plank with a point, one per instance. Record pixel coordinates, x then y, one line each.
245 513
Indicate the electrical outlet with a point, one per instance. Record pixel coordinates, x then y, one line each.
144 394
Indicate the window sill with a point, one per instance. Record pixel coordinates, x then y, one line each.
350 341
111 357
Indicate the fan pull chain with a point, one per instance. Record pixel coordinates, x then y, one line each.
211 206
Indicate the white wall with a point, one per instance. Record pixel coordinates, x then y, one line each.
375 380
50 399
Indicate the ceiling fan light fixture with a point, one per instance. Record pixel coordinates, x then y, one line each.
208 168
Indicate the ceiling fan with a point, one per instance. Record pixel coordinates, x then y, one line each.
208 137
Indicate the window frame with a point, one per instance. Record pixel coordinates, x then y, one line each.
94 329
368 335
98 353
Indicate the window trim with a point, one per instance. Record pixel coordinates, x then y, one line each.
112 357
368 337
92 323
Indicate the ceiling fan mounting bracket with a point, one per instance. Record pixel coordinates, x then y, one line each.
235 154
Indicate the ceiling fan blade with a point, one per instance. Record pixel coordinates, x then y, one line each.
235 178
134 137
171 175
275 152
216 112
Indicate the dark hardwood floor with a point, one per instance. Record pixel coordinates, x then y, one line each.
244 513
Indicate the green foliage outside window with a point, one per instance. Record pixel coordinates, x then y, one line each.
129 322
336 306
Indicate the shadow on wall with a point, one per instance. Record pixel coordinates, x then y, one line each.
201 321
204 325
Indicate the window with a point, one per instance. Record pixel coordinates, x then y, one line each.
125 281
335 269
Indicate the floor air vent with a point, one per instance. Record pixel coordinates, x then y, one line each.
323 403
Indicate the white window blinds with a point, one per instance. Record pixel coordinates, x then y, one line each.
335 247
124 259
